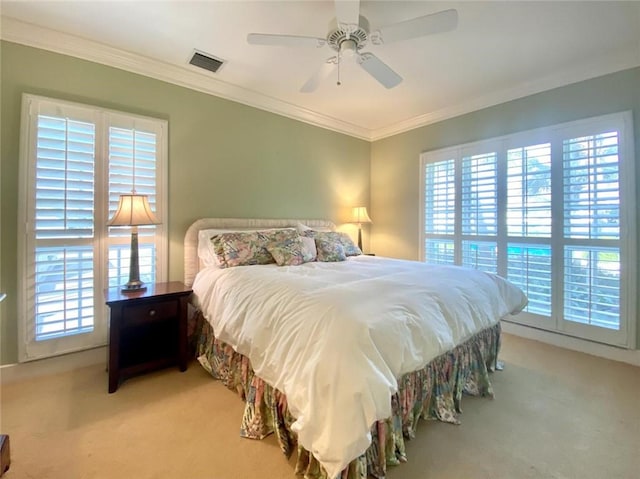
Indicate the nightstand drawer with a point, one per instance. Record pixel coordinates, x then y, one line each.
150 311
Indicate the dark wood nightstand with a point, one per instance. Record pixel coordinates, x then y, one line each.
147 330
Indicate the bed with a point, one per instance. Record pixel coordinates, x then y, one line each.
339 358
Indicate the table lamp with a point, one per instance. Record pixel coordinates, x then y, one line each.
133 210
359 215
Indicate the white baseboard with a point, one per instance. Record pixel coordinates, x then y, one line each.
42 367
630 356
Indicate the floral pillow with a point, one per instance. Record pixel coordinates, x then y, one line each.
241 249
330 251
206 250
277 235
286 249
350 249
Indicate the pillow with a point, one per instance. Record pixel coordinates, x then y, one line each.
241 248
205 248
206 251
286 249
350 249
309 251
280 234
330 251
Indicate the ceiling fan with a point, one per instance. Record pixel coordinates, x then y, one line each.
349 33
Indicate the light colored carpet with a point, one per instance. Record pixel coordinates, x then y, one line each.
557 414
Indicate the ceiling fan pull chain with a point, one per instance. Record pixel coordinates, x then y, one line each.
339 82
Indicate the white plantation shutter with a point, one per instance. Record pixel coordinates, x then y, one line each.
591 187
63 227
65 191
479 197
529 267
552 210
529 224
439 216
479 211
133 165
65 165
529 191
591 166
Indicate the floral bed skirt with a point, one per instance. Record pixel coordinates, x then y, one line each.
434 392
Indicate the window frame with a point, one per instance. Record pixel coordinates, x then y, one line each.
622 122
28 348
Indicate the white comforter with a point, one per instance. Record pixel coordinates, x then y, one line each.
335 336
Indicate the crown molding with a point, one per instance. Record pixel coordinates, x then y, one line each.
16 31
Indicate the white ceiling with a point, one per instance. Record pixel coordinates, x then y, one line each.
499 51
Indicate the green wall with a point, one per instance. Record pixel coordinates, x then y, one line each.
225 159
395 161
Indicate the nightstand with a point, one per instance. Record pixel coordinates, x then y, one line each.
147 330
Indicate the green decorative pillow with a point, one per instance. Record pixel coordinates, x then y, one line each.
330 251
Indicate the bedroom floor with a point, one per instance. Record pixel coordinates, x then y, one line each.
557 414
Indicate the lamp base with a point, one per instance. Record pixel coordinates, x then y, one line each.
133 287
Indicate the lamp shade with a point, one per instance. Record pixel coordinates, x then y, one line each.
359 215
133 210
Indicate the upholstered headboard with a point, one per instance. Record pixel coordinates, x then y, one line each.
191 262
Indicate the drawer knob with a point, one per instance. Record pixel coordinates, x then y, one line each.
152 312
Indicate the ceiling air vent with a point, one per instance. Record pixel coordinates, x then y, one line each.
206 61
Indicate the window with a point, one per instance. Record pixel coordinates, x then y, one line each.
552 211
75 162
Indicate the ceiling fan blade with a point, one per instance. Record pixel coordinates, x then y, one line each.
443 21
348 11
379 70
321 74
284 40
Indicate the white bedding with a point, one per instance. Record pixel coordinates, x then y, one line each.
335 336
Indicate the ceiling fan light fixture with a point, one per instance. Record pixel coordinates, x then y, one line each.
348 48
